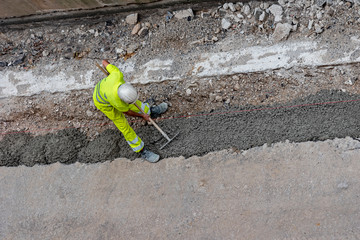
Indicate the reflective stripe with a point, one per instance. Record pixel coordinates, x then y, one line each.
105 96
133 141
99 100
143 107
98 93
98 90
139 147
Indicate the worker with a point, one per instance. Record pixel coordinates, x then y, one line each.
114 98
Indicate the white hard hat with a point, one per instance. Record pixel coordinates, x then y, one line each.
127 93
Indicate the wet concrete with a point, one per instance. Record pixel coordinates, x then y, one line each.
239 128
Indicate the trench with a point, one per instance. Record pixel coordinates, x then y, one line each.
327 114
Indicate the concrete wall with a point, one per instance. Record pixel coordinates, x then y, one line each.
19 8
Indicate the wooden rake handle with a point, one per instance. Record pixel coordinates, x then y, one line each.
152 121
102 69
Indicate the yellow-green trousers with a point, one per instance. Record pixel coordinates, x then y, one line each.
122 124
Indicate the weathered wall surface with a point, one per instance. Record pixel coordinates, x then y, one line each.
18 8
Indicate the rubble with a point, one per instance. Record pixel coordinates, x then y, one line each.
45 53
188 13
136 29
277 11
143 32
282 31
132 48
246 9
225 24
123 34
232 7
132 19
318 28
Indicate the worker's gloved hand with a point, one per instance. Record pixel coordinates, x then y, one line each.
146 117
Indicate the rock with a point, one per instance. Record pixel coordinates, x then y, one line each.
282 31
143 32
294 28
218 99
277 11
132 19
246 9
282 2
320 3
218 30
222 12
45 53
184 14
226 6
205 14
136 29
168 16
227 101
350 82
318 28
212 97
319 15
239 15
263 16
237 87
238 6
79 32
188 92
236 77
232 7
225 24
214 39
120 51
39 34
257 13
89 113
3 64
132 48
236 19
264 5
19 60
310 25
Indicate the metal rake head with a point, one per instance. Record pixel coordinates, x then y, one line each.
169 140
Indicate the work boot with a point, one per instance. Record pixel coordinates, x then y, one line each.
149 156
156 111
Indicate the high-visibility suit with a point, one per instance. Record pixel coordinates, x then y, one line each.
106 99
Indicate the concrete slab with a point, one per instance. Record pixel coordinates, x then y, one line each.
287 191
